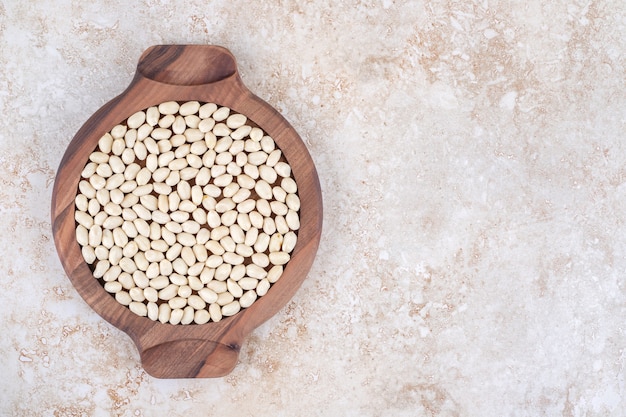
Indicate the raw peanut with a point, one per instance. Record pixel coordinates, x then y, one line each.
100 218
123 298
191 227
168 292
152 271
141 152
223 144
201 317
262 287
138 308
215 311
141 262
189 173
230 190
273 158
116 196
281 225
87 189
126 280
274 273
151 294
223 158
129 228
184 291
280 195
257 158
130 138
136 294
165 313
131 171
128 156
89 170
231 309
263 189
167 121
289 242
118 146
293 220
232 258
255 271
238 272
102 253
267 174
223 180
224 205
118 131
235 121
82 202
144 131
104 170
169 107
194 135
136 120
256 134
228 243
234 288
98 157
103 197
119 237
289 185
218 170
177 302
159 282
260 259
112 287
221 114
107 239
206 125
180 266
246 206
89 254
141 279
240 133
248 283
173 252
209 296
269 226
206 110
97 181
114 273
293 202
82 236
222 272
263 207
224 298
153 311
262 243
247 299
188 315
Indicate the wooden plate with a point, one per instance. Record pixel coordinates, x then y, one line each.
183 73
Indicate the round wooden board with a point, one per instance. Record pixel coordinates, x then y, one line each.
183 73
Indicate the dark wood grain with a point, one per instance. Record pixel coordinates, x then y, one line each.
183 73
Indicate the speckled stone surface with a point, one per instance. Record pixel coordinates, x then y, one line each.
471 156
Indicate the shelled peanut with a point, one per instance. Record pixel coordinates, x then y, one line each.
187 212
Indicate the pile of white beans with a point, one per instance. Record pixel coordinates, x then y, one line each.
187 212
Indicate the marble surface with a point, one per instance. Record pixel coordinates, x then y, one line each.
471 156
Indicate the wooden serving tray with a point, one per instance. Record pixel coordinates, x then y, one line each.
183 73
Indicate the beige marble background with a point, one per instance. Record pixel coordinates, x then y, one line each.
472 160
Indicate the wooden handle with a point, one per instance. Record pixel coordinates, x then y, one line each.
183 73
187 65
